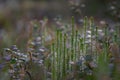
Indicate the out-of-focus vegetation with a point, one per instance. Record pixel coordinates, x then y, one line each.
89 53
39 41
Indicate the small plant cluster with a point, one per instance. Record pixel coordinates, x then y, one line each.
91 53
16 61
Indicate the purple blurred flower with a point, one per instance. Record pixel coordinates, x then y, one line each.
7 58
2 65
14 48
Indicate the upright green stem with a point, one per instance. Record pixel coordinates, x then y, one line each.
64 58
53 63
106 42
92 32
85 29
61 54
76 45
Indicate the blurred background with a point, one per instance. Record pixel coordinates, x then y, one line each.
15 15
